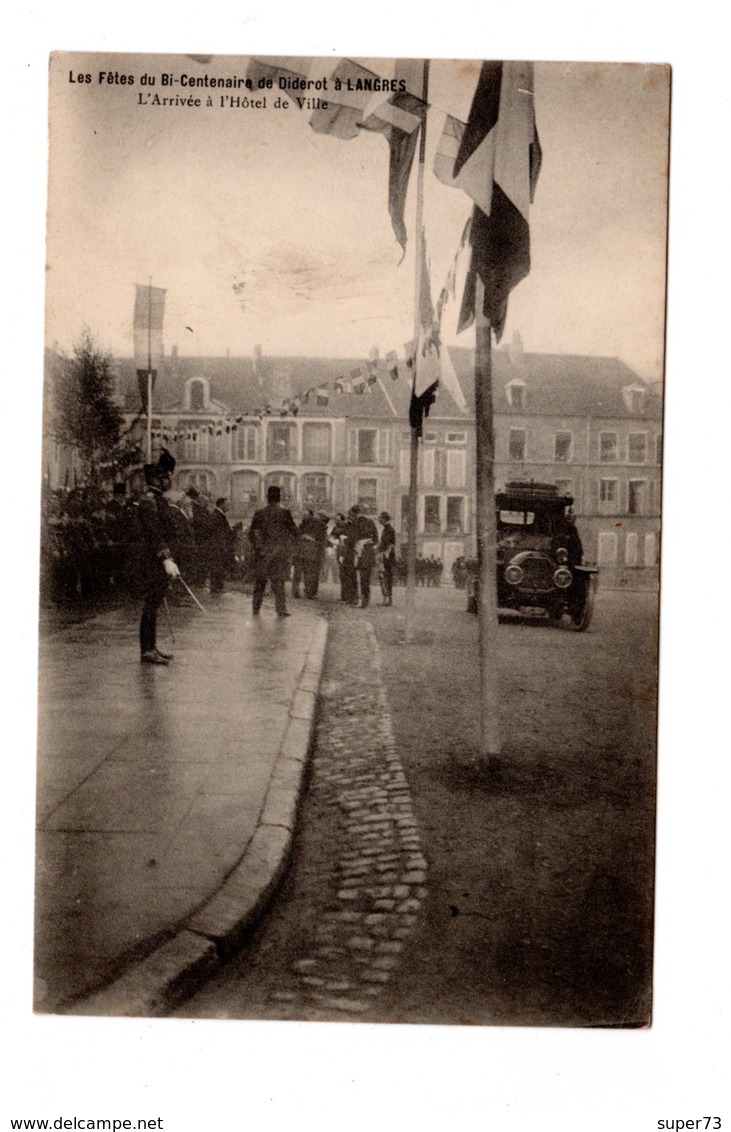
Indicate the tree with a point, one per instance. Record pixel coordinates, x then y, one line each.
86 416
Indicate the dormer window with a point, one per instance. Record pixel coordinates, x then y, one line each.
634 398
197 395
517 394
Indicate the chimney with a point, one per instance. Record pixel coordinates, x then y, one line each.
515 350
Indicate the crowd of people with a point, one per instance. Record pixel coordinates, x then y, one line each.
140 544
92 544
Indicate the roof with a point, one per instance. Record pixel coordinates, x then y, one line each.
556 385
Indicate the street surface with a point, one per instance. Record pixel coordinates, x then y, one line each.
430 885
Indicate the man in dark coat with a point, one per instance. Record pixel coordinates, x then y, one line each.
310 553
386 556
364 538
201 518
156 564
344 534
272 535
221 551
181 542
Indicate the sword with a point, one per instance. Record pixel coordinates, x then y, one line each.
195 599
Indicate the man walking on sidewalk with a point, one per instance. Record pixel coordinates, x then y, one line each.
272 535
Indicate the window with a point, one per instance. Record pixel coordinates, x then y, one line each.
430 438
658 449
631 549
636 502
247 442
245 487
315 489
456 438
197 441
517 394
455 469
651 546
608 496
366 450
367 496
637 447
283 480
432 520
280 443
562 447
516 444
405 465
455 514
608 447
197 396
201 481
427 467
316 443
636 400
607 548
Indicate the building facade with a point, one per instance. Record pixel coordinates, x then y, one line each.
590 425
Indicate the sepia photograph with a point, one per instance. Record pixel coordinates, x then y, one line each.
363 710
350 540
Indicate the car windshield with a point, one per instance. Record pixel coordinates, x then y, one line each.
516 518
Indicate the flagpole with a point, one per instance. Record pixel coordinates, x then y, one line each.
487 618
149 372
414 449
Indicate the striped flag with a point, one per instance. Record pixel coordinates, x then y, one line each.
495 158
398 118
343 115
425 364
147 330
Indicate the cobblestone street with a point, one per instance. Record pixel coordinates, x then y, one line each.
364 883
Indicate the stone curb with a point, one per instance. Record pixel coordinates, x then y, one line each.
155 985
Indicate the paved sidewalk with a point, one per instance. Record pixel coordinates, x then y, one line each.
167 796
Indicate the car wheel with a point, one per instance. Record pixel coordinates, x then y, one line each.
581 616
555 613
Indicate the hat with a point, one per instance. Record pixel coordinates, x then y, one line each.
354 510
323 515
192 493
164 467
384 517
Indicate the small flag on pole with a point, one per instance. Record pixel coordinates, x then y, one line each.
147 322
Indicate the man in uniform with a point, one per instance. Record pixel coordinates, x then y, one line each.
156 565
272 534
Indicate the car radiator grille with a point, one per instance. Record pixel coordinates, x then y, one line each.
537 576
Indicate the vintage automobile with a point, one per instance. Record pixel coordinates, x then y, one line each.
540 567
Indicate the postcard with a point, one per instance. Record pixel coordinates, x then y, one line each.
351 539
